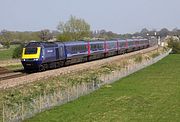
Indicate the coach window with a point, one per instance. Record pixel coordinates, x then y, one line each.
71 49
79 48
110 45
121 44
98 46
95 47
92 47
84 48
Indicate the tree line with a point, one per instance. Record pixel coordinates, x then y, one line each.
75 29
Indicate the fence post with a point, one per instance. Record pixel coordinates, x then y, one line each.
22 111
99 84
55 97
3 112
40 103
68 94
86 89
77 92
114 75
104 79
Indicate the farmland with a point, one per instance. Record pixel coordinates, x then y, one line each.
7 53
152 94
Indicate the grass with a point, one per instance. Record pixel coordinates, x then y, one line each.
14 67
7 53
152 94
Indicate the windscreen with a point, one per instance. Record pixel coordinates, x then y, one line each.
30 50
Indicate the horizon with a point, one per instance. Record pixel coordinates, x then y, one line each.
118 16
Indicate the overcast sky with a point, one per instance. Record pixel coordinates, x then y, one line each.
120 16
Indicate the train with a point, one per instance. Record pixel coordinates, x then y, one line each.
42 56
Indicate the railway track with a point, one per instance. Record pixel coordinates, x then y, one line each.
6 74
12 79
4 71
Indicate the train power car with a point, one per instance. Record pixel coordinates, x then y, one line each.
38 55
46 55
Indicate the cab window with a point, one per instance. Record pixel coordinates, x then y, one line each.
30 50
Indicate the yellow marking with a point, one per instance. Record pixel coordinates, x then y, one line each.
31 56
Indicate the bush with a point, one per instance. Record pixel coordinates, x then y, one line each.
154 55
174 44
18 51
138 59
7 44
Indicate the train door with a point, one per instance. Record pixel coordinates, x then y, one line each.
61 52
57 53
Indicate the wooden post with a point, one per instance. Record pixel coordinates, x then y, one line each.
22 111
3 113
40 103
77 93
68 94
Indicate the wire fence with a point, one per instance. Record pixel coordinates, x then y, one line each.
62 96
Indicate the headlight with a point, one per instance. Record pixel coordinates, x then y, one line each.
36 59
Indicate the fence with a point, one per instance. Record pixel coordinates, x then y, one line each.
61 96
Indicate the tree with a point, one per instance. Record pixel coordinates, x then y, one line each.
175 32
144 31
174 43
6 38
45 35
104 35
18 51
164 32
73 29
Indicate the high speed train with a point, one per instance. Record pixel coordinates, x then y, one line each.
46 55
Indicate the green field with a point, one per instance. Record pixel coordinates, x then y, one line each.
152 94
7 53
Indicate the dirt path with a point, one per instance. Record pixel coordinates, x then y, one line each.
64 70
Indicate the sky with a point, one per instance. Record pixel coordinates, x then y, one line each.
119 16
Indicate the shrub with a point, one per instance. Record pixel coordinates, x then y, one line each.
138 59
174 44
155 54
7 44
18 51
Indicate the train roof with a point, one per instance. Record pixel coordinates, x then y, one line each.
55 44
39 44
75 42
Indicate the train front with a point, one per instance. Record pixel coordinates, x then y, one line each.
32 56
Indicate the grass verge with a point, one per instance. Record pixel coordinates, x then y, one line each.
152 94
14 67
13 97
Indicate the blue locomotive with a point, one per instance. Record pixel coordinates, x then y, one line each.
46 55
